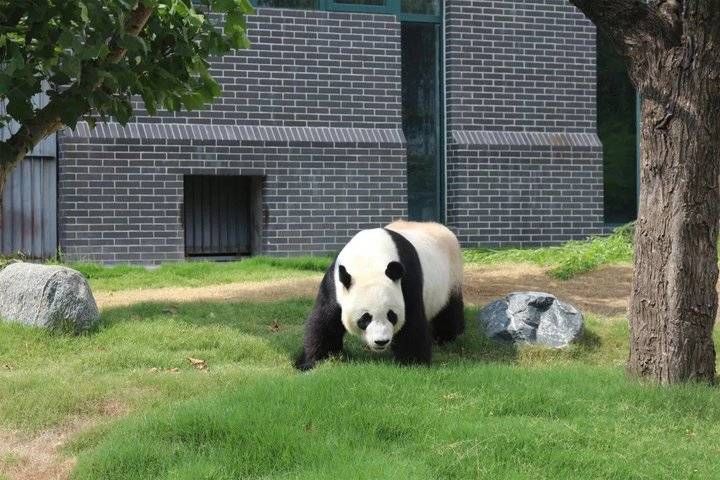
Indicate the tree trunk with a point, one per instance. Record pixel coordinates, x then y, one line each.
674 298
671 51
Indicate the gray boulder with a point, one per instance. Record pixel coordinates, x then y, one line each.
49 296
531 317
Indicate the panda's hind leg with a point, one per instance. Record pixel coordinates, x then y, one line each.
450 321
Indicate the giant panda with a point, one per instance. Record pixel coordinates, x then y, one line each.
398 288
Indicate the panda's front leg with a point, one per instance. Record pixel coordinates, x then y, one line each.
324 334
324 330
413 343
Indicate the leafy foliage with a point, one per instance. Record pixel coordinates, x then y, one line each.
87 58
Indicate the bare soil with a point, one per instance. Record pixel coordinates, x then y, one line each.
38 457
266 291
604 291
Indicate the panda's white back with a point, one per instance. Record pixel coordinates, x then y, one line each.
440 259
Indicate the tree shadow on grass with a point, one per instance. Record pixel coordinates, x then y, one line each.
589 340
280 326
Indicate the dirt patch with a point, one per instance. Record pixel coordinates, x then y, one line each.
38 457
25 456
266 291
603 291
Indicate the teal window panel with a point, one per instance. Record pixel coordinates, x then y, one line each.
300 4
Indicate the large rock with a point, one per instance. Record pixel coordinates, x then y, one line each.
531 317
54 297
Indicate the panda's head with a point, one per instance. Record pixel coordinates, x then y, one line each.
372 304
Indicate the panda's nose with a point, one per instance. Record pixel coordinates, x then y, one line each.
381 343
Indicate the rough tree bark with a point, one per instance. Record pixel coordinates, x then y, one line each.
672 51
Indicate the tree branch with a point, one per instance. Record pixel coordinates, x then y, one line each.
48 120
634 26
134 25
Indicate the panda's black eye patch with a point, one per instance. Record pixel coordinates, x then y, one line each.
392 317
364 321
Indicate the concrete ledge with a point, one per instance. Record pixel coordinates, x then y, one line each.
488 137
290 135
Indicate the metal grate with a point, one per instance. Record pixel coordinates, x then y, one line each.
217 215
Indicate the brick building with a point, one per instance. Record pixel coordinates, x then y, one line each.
347 114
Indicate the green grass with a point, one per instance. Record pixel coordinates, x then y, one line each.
467 420
46 378
195 274
567 260
481 410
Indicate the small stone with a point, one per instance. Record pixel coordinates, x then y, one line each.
531 317
49 296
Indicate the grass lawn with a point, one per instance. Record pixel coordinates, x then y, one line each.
480 411
196 274
564 262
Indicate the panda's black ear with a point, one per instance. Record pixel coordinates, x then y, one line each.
394 271
345 277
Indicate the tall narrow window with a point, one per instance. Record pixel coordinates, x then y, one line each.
617 128
421 119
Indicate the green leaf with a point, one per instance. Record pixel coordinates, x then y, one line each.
6 82
93 52
245 6
20 108
84 12
65 42
193 101
210 87
134 44
121 110
150 101
73 108
70 65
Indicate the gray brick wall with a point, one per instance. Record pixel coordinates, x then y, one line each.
524 164
519 66
512 194
313 108
307 68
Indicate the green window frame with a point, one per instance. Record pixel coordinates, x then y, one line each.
388 7
339 6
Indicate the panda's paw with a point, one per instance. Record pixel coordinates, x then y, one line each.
303 363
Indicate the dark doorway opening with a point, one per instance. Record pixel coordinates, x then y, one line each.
422 119
617 128
218 215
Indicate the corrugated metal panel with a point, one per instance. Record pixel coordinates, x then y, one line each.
217 215
46 148
29 216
